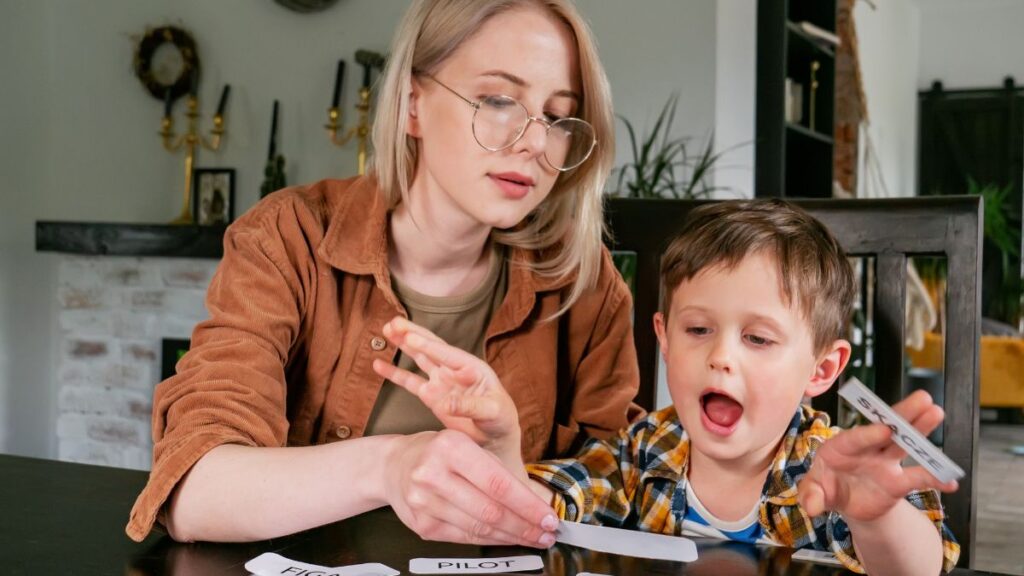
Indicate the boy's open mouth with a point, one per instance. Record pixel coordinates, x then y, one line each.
721 409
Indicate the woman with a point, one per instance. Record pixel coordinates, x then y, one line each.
482 220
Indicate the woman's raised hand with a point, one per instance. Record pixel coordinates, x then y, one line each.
460 389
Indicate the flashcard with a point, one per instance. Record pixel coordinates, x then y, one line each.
627 542
817 556
475 565
270 564
906 436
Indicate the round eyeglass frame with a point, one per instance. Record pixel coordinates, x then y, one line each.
522 129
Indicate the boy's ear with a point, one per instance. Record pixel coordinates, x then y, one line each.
659 329
413 125
829 366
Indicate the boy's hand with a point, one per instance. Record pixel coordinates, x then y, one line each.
461 390
858 472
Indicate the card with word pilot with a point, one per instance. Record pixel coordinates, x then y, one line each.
903 433
475 565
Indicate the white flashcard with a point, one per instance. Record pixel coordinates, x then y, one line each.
627 542
906 436
817 556
270 564
475 565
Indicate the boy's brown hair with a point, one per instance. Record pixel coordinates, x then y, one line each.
813 269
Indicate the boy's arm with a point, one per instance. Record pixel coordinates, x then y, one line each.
597 486
858 473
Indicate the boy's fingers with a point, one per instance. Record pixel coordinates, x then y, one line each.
918 478
911 407
811 496
927 421
859 441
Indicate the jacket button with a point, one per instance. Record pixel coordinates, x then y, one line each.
343 432
378 343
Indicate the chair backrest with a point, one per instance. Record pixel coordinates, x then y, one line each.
890 231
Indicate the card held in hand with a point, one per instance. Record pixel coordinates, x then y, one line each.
903 433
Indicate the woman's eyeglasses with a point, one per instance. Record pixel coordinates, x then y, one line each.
500 121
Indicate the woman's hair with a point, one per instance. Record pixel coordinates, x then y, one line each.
565 230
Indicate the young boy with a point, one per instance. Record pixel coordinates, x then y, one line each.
757 298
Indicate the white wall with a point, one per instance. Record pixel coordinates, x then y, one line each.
78 131
651 49
889 47
971 43
735 96
26 279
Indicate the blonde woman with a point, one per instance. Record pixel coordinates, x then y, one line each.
481 220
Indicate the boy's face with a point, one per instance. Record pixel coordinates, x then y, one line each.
740 359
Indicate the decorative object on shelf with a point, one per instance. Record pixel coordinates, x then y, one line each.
662 166
361 131
815 66
215 196
794 101
273 171
165 62
820 34
192 139
794 152
306 6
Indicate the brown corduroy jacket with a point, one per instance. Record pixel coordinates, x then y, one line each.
296 311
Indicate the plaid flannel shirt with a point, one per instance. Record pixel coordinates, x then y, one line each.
636 480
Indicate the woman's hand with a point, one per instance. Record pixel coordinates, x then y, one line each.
445 487
461 390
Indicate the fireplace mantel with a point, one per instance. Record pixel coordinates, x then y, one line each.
113 239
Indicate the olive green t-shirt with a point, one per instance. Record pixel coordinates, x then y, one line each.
458 320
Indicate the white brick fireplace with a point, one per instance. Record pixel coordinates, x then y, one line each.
114 311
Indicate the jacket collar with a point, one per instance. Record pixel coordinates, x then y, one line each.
356 241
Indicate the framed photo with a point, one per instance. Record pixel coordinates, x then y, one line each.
213 196
171 350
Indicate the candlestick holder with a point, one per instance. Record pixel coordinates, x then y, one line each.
190 141
815 66
361 131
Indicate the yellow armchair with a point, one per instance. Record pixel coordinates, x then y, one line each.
1001 371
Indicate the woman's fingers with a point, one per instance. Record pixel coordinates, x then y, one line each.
400 376
451 472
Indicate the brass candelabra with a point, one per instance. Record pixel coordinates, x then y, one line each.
190 141
361 131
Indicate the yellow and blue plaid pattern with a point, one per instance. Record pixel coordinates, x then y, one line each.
635 480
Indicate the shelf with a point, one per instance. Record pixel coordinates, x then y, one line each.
112 239
807 132
814 42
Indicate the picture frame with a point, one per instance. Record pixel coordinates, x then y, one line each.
171 350
213 196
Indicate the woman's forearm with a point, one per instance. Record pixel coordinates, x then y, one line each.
239 493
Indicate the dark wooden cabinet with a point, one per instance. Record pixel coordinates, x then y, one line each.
794 149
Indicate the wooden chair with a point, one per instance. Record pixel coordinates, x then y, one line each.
890 231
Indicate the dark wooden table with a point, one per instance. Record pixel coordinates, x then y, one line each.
62 518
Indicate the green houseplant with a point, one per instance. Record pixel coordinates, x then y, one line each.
1002 231
664 166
